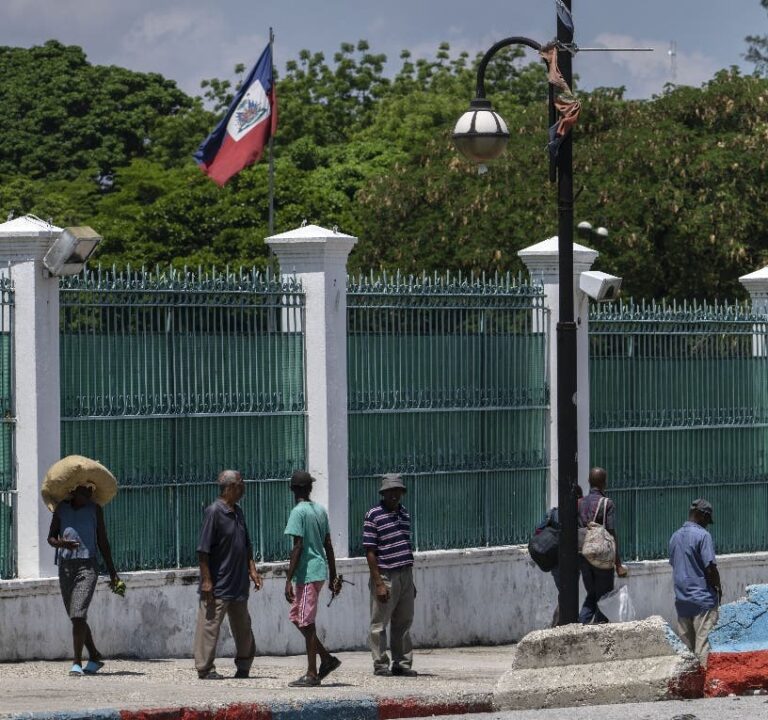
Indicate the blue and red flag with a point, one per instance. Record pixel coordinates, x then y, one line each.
241 135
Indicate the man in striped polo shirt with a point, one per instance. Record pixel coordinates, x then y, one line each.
387 543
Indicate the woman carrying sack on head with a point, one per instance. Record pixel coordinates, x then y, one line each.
75 489
598 510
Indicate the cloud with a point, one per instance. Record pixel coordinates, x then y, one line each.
643 73
188 44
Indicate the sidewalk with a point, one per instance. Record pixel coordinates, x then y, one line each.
451 680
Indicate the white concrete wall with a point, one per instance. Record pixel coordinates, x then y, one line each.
480 596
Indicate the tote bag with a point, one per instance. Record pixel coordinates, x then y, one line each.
599 547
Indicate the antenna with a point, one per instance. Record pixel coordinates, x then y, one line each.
672 52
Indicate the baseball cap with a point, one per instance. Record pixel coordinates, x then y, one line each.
703 506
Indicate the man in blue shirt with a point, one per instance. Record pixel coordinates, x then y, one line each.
225 555
697 582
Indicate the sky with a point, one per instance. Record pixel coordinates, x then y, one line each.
188 40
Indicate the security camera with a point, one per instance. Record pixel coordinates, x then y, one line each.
599 286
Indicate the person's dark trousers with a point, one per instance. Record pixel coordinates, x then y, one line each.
597 583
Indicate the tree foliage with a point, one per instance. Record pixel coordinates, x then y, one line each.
678 180
757 52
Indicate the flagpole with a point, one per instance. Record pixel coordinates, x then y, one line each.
271 154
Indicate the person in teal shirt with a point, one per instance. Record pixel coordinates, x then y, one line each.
311 560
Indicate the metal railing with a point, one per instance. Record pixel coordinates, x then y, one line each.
679 410
8 556
169 377
447 382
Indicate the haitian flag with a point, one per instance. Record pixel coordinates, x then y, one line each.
239 139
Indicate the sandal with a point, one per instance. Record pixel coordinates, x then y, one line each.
305 681
327 668
76 670
92 667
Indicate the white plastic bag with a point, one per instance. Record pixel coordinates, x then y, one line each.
617 605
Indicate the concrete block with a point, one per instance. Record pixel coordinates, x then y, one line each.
598 665
738 662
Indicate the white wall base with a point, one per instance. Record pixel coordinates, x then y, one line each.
480 596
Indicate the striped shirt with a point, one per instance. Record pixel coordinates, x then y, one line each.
389 534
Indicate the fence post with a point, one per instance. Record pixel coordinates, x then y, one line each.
542 261
756 284
35 388
318 258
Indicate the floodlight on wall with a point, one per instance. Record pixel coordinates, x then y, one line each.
69 252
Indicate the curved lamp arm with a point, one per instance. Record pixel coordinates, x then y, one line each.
515 40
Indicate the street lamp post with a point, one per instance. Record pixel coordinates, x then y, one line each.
482 135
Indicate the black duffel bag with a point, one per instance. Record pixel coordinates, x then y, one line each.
544 547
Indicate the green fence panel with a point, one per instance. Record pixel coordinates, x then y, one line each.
169 378
8 555
447 384
679 410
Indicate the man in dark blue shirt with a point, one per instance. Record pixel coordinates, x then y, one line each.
697 581
226 564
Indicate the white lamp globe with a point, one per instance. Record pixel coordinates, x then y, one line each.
480 133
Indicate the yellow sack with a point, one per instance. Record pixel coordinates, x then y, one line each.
73 471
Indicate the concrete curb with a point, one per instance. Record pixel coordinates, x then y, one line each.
738 661
571 665
365 708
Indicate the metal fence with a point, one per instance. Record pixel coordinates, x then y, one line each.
679 410
7 465
169 377
447 382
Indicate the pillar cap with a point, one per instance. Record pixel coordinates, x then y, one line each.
28 226
756 281
26 237
311 248
546 255
309 233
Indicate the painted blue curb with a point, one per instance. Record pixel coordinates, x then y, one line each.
101 714
353 709
743 625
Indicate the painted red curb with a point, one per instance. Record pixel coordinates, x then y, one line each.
736 672
688 686
153 714
393 709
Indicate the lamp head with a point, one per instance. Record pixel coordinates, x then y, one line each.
480 134
69 252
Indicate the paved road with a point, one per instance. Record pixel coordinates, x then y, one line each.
731 708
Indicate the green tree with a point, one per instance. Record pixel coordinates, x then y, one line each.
62 114
757 51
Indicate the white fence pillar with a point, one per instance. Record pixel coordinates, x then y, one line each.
36 393
756 284
318 258
543 263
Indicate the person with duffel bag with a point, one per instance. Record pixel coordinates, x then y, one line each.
544 547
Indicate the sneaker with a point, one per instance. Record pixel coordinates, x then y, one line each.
305 681
383 672
92 667
403 671
242 674
76 670
210 675
327 668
